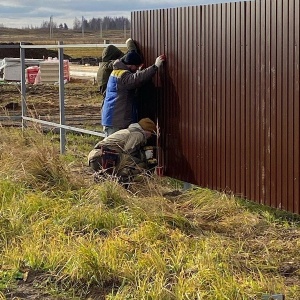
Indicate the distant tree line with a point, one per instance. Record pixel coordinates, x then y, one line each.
105 23
94 24
47 24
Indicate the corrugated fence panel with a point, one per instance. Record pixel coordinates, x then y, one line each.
296 203
274 123
228 96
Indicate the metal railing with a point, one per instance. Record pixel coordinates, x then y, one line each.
62 124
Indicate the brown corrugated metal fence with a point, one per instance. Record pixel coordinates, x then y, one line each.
228 101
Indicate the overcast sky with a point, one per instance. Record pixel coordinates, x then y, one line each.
24 13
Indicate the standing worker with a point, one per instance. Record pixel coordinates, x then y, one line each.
118 110
109 55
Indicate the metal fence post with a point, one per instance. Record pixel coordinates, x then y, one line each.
23 85
62 98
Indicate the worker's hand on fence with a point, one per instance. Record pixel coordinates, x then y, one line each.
159 60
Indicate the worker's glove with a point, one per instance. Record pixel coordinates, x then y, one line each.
159 60
149 154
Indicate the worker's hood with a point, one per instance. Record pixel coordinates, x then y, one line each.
136 126
111 53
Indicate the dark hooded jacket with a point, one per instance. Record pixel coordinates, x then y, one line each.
109 55
118 108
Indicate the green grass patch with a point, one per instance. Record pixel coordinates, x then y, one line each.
71 238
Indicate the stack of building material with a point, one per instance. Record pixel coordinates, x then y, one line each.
49 71
10 68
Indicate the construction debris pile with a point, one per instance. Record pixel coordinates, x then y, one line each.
29 53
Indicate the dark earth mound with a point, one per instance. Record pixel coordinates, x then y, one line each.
29 53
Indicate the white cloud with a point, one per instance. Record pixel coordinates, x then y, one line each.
23 13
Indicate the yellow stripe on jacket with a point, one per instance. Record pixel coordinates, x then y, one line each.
118 73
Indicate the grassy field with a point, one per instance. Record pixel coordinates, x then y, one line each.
63 236
42 37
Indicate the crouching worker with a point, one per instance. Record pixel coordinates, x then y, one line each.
121 153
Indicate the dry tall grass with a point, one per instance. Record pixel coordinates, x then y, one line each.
71 238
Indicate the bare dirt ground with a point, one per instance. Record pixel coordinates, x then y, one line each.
82 100
41 36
